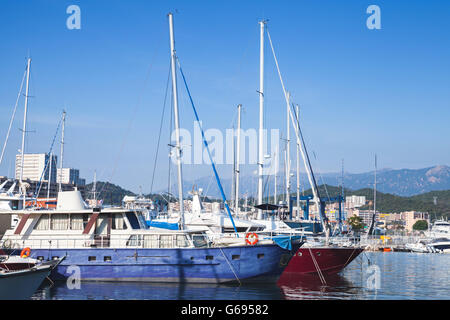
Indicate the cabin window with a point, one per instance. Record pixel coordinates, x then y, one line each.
166 241
107 258
43 223
92 258
133 220
199 241
59 221
151 241
209 257
76 222
86 217
260 255
134 241
182 241
118 223
15 204
235 257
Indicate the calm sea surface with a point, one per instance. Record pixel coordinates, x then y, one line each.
390 275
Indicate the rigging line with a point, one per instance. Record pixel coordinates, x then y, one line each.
312 179
39 185
265 185
207 148
160 130
316 265
12 117
321 177
306 152
207 189
231 267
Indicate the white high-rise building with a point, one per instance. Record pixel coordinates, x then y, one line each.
34 165
69 175
354 201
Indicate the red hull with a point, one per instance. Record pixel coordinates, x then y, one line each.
329 260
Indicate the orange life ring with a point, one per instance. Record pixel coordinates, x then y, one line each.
25 253
251 238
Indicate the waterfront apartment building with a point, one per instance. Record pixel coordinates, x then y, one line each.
354 201
403 220
411 217
36 167
69 175
366 216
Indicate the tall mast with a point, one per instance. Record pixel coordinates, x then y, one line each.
296 125
298 168
375 189
49 176
275 195
62 150
177 123
372 223
238 149
288 154
261 117
24 128
343 198
308 170
95 188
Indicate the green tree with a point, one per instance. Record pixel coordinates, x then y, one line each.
356 223
420 225
397 225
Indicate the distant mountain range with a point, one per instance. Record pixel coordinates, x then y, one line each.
397 190
437 203
402 182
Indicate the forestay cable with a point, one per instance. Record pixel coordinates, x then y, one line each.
207 148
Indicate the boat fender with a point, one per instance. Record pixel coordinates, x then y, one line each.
251 238
25 253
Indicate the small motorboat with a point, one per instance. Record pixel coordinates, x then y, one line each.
420 246
16 262
21 284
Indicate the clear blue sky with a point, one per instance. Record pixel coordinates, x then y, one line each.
361 91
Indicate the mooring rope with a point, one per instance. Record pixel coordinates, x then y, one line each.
319 272
231 267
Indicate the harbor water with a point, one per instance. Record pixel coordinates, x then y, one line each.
372 276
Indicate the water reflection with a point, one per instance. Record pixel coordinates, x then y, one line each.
402 276
156 291
299 287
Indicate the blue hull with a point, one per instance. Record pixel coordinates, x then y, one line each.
197 265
